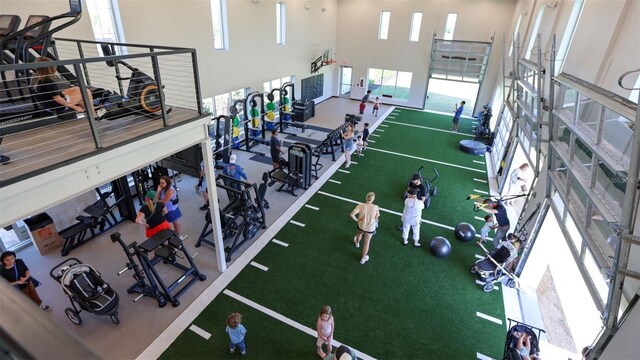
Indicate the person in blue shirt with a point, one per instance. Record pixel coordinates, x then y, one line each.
234 170
456 117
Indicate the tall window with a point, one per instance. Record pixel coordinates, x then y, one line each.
450 26
220 28
416 22
105 20
221 103
383 31
515 34
280 22
267 86
568 34
534 33
390 83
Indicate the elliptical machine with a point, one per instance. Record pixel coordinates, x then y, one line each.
143 95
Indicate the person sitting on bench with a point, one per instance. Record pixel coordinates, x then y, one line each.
50 97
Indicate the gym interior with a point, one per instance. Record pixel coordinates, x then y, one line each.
185 88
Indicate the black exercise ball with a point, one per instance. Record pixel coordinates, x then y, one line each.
440 247
465 232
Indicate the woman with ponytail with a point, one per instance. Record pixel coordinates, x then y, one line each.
152 215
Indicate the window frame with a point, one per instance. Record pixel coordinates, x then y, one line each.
383 28
219 20
281 17
416 17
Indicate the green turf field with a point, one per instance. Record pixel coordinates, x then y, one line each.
402 304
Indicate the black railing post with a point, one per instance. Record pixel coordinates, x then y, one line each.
88 105
156 75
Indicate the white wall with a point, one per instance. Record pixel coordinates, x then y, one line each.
625 344
358 43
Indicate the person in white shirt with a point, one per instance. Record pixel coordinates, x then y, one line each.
412 217
518 182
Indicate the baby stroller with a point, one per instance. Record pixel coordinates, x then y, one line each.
492 268
432 191
511 344
86 289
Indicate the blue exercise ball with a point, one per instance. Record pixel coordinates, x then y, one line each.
440 247
465 232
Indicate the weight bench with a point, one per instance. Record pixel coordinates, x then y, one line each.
287 180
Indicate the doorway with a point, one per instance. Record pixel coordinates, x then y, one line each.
345 82
443 95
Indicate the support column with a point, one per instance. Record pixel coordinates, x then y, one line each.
214 207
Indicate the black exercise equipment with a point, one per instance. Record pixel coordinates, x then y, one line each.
432 190
100 217
472 147
166 246
220 132
287 115
242 217
142 94
295 173
353 119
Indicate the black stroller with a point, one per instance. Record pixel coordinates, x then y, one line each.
432 190
493 268
84 286
510 346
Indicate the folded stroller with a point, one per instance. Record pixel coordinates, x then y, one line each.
510 346
492 269
86 290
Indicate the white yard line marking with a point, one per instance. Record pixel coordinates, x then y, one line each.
200 332
385 210
354 163
371 141
311 207
490 318
281 243
425 159
480 191
259 266
478 162
391 117
335 181
376 135
480 180
428 128
483 357
294 324
383 125
479 257
296 223
344 171
380 130
479 218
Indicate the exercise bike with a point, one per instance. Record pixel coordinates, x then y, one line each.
143 95
432 190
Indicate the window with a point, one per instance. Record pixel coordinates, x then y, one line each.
515 34
267 86
390 83
280 23
451 25
220 29
221 103
534 33
416 22
105 21
568 34
383 31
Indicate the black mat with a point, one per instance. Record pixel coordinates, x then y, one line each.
303 140
263 159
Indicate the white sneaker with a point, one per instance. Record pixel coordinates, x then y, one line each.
100 113
405 241
364 259
417 244
45 307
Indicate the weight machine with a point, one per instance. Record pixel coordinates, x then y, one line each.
166 247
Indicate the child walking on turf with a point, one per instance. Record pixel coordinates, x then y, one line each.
236 333
325 328
376 106
488 226
359 145
365 135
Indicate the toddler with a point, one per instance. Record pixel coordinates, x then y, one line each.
359 145
365 135
325 330
236 333
488 226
